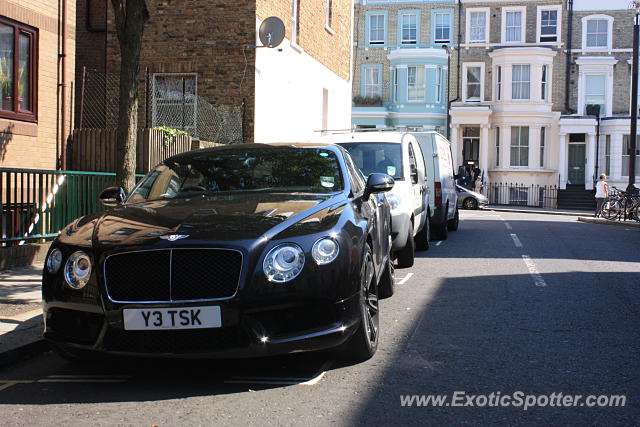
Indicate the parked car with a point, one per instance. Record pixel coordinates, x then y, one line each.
244 250
468 199
398 155
443 198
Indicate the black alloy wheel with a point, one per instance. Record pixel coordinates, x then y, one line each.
386 287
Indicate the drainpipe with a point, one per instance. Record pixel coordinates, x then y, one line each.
567 88
63 113
459 82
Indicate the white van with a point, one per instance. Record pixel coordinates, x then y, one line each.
397 154
443 200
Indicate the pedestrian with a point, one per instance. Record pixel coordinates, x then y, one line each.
602 192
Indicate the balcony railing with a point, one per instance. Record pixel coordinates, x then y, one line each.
539 196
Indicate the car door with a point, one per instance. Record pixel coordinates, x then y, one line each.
416 177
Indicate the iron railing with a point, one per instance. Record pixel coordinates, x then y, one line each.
539 196
37 204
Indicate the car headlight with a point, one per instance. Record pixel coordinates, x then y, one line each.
77 270
283 263
54 261
394 200
325 250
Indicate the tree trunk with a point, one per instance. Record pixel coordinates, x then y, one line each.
130 17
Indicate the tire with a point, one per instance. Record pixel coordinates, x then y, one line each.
364 342
453 224
470 203
422 238
611 209
406 255
386 287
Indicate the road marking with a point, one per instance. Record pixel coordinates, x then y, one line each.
516 241
509 227
533 271
315 379
439 243
10 383
405 279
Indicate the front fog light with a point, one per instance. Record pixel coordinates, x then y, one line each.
283 263
77 270
54 261
394 200
325 250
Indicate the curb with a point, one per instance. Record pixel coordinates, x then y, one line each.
609 222
564 213
23 352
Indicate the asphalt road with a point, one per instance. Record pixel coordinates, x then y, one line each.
510 303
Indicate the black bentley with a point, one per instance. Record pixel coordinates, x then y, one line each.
237 251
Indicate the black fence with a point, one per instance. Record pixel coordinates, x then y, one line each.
539 196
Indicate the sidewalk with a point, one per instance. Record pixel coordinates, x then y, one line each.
20 314
525 209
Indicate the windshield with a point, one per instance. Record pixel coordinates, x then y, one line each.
379 157
269 169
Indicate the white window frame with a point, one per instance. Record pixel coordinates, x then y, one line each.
544 139
497 146
523 24
424 81
609 45
377 85
435 27
544 83
394 75
438 85
329 18
369 28
416 15
464 80
499 76
558 9
520 146
513 82
595 65
487 15
295 17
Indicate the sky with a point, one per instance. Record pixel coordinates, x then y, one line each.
600 4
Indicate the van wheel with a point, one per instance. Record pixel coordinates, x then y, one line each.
453 223
422 238
406 255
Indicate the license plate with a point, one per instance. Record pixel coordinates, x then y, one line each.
138 319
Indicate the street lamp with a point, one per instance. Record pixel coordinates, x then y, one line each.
635 4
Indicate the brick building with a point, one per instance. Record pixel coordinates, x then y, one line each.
403 63
33 88
207 51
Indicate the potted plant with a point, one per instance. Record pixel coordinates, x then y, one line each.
369 101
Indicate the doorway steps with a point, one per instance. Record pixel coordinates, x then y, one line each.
576 197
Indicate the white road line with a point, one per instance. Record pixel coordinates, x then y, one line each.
439 243
80 380
90 376
516 241
533 271
405 279
509 227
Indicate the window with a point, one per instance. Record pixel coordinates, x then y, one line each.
477 27
518 196
543 86
607 155
626 151
445 84
371 81
409 28
520 146
521 82
473 77
595 92
394 74
415 83
329 16
18 71
499 83
376 29
295 21
442 27
174 101
413 165
497 147
597 33
543 143
513 26
548 26
438 86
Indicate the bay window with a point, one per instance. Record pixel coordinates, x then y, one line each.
521 82
415 83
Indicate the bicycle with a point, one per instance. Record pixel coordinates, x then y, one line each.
620 205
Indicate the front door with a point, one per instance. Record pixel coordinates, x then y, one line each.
577 163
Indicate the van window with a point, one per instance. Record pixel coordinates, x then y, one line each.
413 165
381 157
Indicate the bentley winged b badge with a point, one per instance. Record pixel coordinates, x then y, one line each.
174 237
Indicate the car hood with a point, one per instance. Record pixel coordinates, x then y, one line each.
221 218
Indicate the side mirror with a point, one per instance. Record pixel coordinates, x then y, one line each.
377 183
112 196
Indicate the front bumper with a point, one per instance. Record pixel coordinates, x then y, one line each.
287 328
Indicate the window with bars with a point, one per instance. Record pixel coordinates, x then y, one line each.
174 100
520 146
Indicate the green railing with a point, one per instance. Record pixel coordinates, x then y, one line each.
37 204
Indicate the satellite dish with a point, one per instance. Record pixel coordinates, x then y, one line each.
271 31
